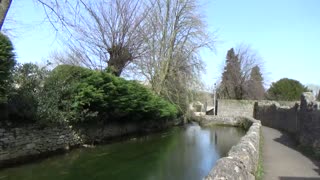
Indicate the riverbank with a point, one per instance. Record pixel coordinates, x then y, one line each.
19 145
26 144
242 160
161 155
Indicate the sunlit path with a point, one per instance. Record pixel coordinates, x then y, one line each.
282 162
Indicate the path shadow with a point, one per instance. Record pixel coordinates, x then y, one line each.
299 178
288 140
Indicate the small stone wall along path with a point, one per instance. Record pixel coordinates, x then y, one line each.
281 160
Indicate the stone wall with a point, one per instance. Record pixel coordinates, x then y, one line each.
24 144
235 107
276 116
309 122
100 133
19 144
227 107
301 120
242 160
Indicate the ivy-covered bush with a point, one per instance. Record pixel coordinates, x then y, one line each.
74 94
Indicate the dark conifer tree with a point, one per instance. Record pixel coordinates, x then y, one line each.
7 62
255 89
230 88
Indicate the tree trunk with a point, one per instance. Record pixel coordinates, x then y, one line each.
4 8
119 58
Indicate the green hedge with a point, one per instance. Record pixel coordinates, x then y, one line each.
74 94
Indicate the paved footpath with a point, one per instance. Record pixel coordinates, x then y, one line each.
282 162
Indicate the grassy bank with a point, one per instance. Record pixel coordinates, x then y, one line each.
260 172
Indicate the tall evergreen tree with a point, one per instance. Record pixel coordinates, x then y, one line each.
230 87
255 89
242 64
7 62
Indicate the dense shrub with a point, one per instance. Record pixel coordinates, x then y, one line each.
56 98
286 90
7 62
123 100
72 94
24 92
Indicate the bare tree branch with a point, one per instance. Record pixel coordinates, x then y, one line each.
238 73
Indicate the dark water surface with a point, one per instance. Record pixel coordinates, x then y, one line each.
180 153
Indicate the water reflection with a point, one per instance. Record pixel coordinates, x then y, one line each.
180 153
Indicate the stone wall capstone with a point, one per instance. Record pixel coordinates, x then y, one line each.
242 160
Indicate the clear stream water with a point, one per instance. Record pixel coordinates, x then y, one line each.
186 153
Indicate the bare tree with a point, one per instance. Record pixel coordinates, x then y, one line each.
101 32
161 37
315 88
67 57
174 33
248 58
4 8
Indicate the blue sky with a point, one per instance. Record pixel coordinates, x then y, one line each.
285 33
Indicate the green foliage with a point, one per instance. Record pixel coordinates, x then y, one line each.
230 87
71 94
286 90
254 86
7 62
310 151
58 92
75 94
117 99
260 171
24 92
